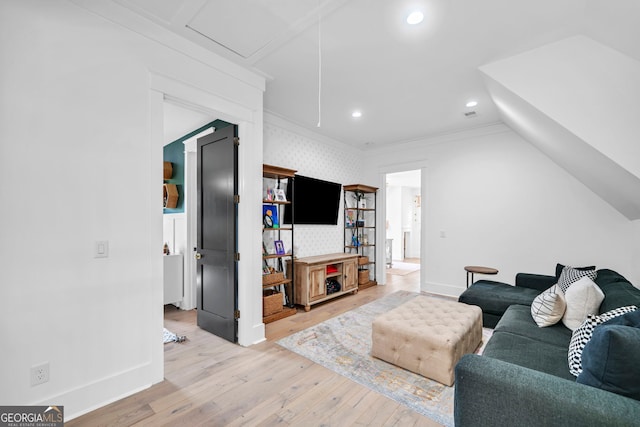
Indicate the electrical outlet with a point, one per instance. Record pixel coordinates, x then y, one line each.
39 374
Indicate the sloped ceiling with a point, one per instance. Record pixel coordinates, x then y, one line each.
576 100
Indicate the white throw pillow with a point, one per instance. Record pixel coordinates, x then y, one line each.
548 308
583 298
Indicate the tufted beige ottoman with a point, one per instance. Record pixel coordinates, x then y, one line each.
427 336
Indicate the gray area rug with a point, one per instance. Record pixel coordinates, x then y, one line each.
343 344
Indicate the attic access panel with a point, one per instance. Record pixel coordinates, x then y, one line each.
247 26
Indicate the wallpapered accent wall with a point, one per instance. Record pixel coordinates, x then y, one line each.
333 162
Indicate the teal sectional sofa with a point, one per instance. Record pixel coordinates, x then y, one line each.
523 378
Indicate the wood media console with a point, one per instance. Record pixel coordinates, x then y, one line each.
316 278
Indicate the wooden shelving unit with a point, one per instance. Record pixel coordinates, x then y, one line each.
275 178
360 203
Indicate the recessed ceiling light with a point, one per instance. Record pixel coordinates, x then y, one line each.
415 17
472 104
356 114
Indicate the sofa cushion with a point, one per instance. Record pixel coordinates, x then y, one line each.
609 358
619 292
560 267
548 308
583 298
495 297
517 320
529 353
582 335
571 275
541 282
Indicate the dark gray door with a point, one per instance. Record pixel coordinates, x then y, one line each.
217 233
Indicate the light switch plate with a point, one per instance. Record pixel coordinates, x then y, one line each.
101 249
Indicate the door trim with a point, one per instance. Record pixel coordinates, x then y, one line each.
250 159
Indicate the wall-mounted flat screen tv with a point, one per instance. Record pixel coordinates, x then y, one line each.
315 201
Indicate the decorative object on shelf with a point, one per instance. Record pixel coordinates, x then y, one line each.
279 247
280 196
363 276
270 216
360 201
271 302
350 218
360 229
272 277
167 170
170 196
165 249
332 285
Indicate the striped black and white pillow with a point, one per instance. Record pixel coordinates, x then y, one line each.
571 275
548 308
582 335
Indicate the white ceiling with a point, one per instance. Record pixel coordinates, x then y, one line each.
409 82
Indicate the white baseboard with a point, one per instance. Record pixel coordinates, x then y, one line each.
441 289
97 394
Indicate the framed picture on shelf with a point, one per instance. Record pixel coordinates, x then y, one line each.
350 218
279 195
270 216
279 247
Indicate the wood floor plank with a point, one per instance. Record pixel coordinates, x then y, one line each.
211 382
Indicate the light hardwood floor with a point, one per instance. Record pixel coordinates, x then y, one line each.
209 381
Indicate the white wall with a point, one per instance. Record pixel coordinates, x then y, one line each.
82 146
314 156
503 204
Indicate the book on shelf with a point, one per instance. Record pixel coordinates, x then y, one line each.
270 216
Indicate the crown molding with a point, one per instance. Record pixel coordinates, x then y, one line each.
442 138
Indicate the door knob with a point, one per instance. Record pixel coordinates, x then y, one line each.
198 255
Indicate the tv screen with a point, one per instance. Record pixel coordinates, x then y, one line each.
314 201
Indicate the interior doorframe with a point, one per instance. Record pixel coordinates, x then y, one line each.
250 159
382 216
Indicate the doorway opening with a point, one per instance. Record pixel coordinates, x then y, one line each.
183 260
403 213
